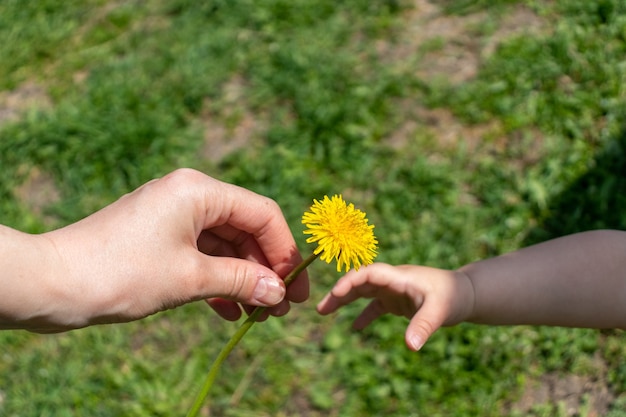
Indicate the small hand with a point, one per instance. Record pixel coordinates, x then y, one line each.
429 297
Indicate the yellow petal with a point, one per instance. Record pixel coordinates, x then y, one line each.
342 233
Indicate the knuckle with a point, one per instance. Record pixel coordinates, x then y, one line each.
271 205
424 327
239 282
182 178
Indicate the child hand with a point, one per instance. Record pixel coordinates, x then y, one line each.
429 297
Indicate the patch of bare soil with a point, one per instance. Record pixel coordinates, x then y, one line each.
577 396
28 96
38 192
234 127
463 45
460 49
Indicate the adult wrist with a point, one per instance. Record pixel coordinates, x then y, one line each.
29 267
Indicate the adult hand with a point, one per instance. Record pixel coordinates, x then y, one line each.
178 239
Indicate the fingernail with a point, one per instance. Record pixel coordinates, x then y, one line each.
416 342
269 291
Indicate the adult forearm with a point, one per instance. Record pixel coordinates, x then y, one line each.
577 281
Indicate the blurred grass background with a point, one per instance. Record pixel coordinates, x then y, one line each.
464 128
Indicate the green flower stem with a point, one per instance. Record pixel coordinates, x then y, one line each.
245 326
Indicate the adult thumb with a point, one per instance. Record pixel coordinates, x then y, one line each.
243 281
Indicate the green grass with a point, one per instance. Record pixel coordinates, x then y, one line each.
132 87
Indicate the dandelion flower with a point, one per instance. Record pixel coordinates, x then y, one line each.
341 232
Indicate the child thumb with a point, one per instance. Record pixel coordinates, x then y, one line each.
422 326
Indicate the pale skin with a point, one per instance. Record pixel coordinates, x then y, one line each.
178 239
573 281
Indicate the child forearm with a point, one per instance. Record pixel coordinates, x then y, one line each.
575 281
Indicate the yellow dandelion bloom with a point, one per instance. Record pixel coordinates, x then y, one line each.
341 232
